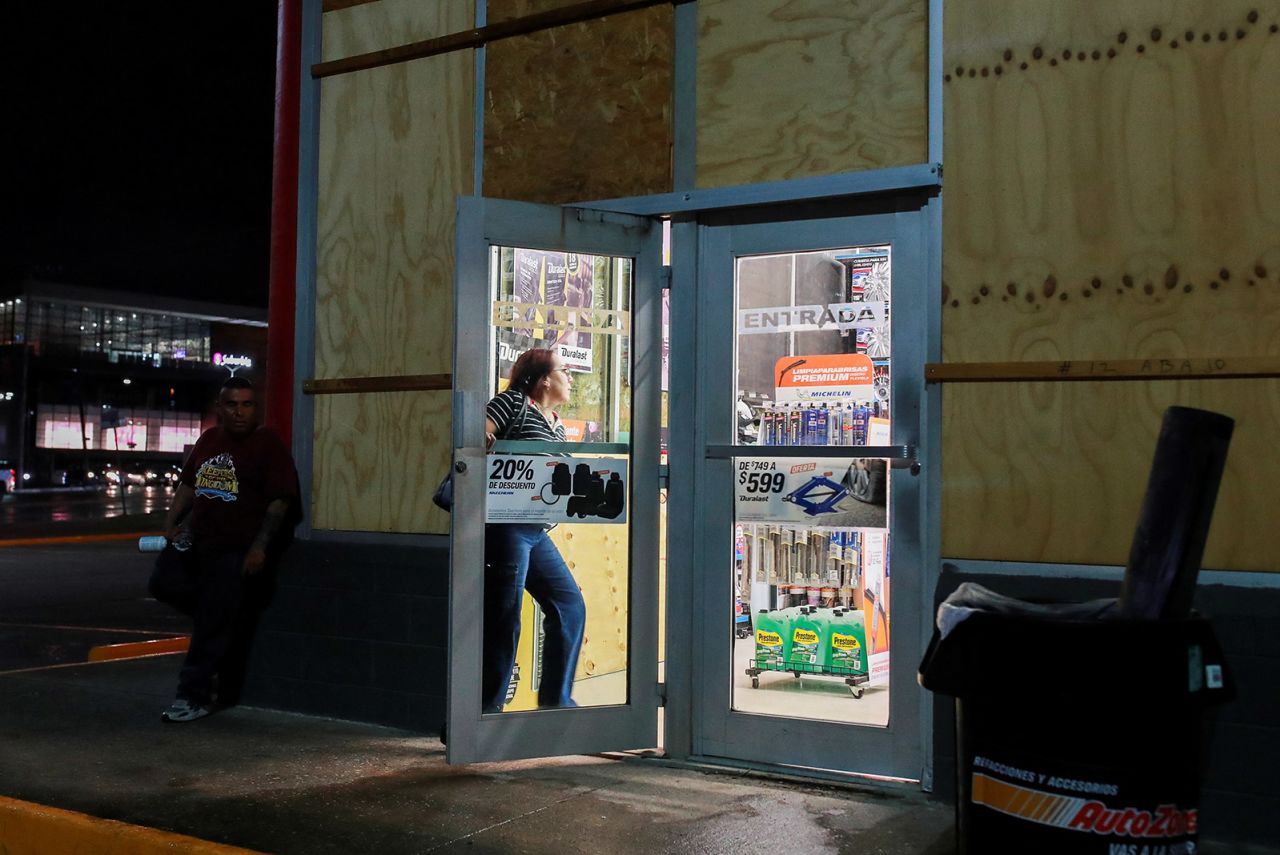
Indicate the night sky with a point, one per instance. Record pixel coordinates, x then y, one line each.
143 134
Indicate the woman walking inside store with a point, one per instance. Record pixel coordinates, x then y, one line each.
521 557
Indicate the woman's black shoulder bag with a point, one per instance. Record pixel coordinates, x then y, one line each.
444 493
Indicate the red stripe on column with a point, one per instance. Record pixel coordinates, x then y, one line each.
284 220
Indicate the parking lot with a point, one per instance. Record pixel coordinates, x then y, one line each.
34 507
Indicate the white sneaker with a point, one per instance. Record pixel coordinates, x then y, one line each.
183 710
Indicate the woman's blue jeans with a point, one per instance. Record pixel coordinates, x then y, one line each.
521 558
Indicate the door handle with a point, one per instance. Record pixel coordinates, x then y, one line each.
912 464
898 455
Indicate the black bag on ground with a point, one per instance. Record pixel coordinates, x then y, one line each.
1076 734
443 496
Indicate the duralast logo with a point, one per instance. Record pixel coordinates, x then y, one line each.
768 639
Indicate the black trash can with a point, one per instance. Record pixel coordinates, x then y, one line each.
1080 736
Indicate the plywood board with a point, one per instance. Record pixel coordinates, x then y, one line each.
598 556
579 112
808 87
395 152
378 460
390 23
1113 191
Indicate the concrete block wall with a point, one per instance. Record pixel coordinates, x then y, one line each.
356 631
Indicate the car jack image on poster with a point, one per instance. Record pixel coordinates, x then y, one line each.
819 492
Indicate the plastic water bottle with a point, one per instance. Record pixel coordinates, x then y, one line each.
152 543
157 542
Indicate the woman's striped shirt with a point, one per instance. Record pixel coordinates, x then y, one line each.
506 406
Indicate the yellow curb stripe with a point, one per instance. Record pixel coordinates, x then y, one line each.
73 538
31 829
137 649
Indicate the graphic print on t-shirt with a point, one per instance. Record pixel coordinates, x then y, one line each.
216 478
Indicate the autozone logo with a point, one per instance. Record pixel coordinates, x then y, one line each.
1077 814
1165 821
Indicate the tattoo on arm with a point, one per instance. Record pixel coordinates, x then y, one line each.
271 522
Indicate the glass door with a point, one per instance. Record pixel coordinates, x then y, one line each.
811 338
554 541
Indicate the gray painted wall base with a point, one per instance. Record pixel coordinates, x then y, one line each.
356 631
1239 800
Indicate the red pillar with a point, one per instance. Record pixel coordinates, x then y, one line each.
284 221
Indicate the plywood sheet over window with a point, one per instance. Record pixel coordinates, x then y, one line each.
378 460
581 111
1113 191
395 152
808 87
598 556
386 24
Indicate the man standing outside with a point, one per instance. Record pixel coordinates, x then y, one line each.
235 505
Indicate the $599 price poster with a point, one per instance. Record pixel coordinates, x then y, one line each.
816 492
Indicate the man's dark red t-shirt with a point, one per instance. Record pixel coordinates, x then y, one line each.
234 480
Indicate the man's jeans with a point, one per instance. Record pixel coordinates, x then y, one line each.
211 588
521 558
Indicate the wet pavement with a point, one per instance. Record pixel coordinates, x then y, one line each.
87 737
60 601
90 739
33 507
